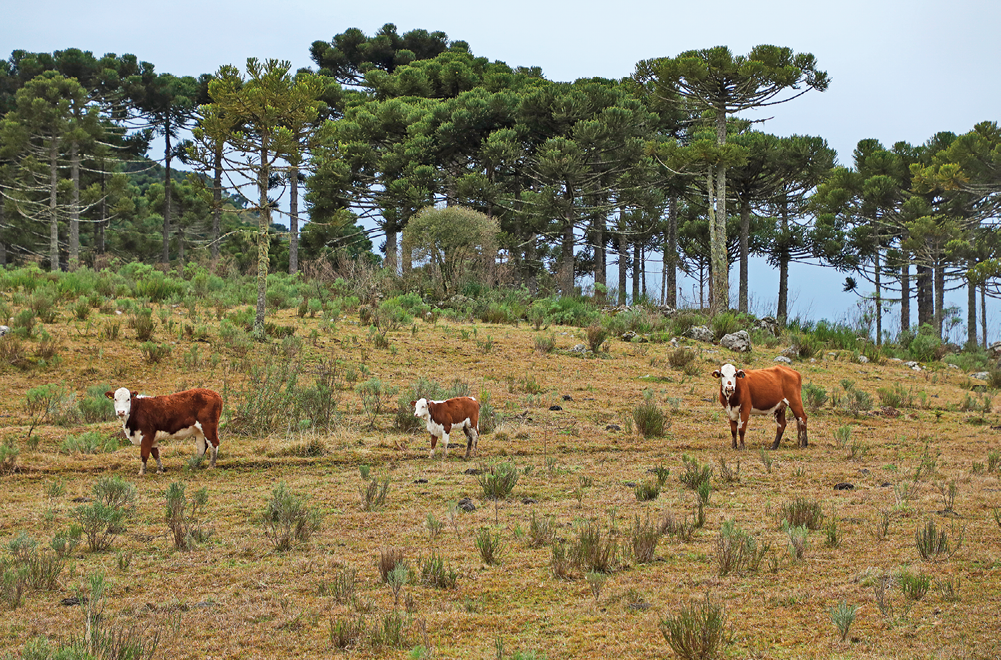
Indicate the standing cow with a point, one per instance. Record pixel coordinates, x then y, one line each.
149 419
442 416
762 392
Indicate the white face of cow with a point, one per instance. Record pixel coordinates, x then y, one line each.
123 402
421 408
728 375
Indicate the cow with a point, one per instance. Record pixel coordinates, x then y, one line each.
442 416
149 419
762 392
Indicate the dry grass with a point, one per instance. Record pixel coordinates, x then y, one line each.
234 596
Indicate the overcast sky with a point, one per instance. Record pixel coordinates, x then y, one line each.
900 70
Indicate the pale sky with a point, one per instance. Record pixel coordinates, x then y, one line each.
900 70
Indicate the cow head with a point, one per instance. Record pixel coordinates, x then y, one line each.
421 408
728 375
123 401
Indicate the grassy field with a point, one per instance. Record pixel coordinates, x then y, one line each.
235 595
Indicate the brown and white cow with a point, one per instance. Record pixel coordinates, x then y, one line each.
761 392
149 419
442 416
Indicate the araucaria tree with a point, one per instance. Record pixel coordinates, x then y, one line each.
717 84
266 103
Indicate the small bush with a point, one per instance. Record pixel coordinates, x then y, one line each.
435 573
695 473
95 407
346 632
649 418
647 491
802 512
544 344
184 519
843 616
90 442
541 530
497 481
737 551
8 457
373 496
155 353
728 475
594 551
797 537
596 336
561 562
914 586
389 559
895 396
287 519
697 631
815 396
933 544
680 358
100 524
142 322
644 539
490 546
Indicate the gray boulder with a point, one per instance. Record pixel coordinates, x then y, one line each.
913 365
980 375
4 330
739 342
701 333
995 349
783 359
769 325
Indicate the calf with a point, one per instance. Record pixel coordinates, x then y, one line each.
762 392
149 419
442 416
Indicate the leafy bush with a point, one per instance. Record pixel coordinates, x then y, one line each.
925 346
100 523
142 322
695 473
596 336
843 616
373 496
95 407
815 396
896 396
498 480
568 310
726 323
435 573
288 519
736 550
90 442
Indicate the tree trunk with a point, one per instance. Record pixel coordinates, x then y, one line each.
671 254
983 312
926 303
165 257
783 306
53 216
745 239
391 249
622 247
971 313
720 287
531 261
600 272
637 260
74 249
939 297
3 244
566 277
293 221
905 296
216 202
263 225
879 302
99 238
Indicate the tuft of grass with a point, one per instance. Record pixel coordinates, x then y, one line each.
373 496
436 573
914 586
541 530
737 551
644 538
802 512
647 491
649 418
698 631
695 473
389 558
933 544
594 551
490 545
184 518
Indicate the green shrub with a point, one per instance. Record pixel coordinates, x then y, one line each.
498 480
435 573
695 473
596 335
934 544
490 546
644 537
726 323
95 406
592 550
736 550
288 519
649 418
542 530
647 491
843 616
100 523
141 320
373 496
90 442
896 396
815 396
914 585
8 456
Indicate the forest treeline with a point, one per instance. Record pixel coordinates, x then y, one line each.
571 177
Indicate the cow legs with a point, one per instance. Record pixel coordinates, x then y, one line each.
434 442
145 449
444 442
156 454
473 437
733 432
780 426
800 424
211 433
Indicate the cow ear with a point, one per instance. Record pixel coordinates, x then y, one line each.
413 404
134 394
717 374
110 395
740 373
